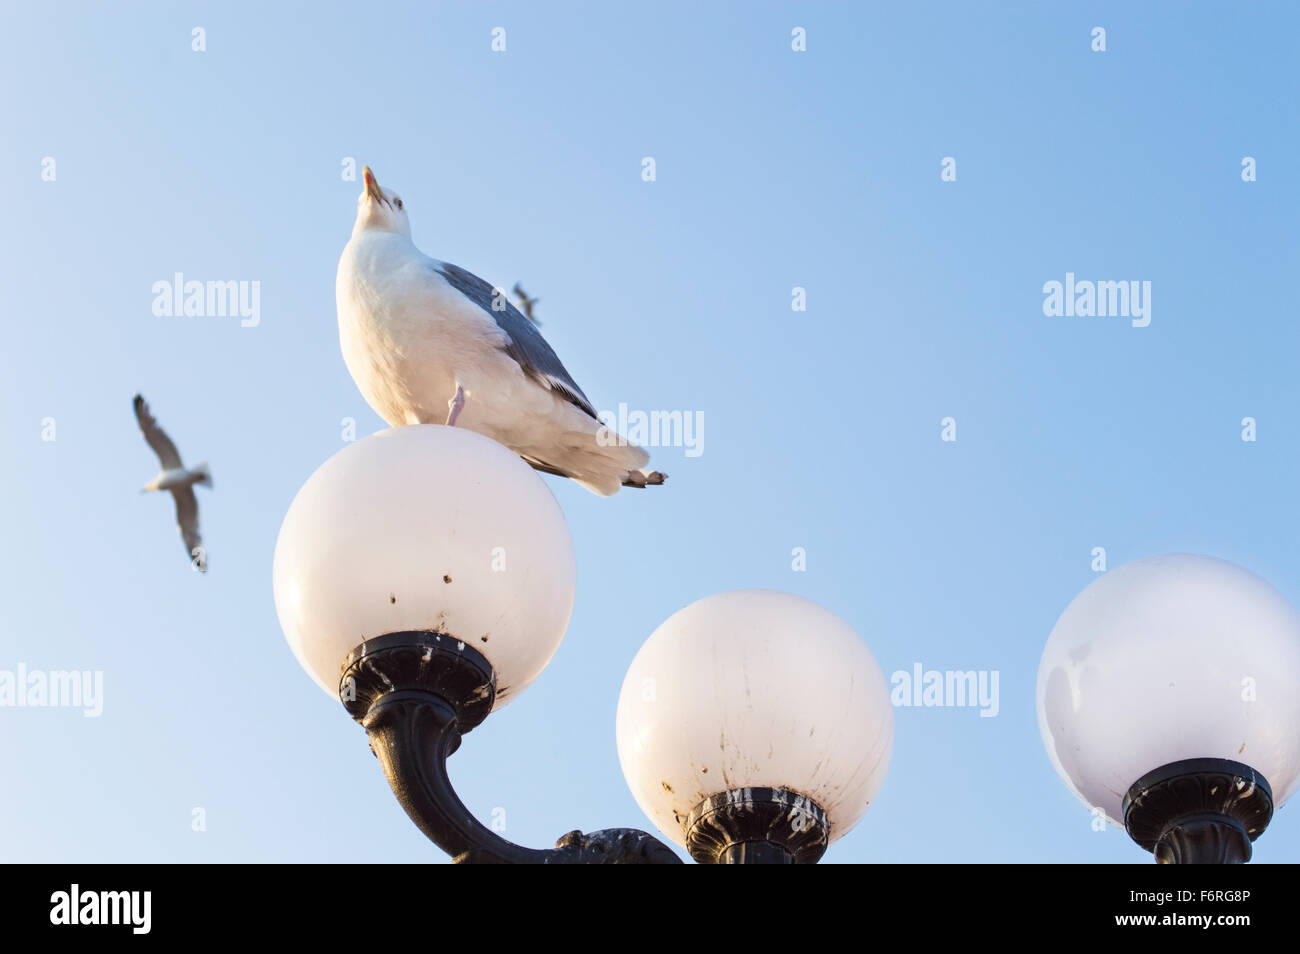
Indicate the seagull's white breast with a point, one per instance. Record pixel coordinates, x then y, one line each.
407 336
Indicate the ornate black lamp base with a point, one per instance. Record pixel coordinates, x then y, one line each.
1199 811
757 826
416 693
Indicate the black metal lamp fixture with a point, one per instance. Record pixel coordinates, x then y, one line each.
1167 701
417 694
1199 811
437 568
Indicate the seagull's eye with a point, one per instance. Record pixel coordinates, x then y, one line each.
397 202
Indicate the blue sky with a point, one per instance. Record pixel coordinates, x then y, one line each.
775 169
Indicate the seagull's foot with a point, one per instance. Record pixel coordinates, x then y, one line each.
639 478
455 406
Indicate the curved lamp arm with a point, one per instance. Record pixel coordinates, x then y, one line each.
416 693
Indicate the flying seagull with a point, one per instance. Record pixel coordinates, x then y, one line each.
526 304
430 343
176 478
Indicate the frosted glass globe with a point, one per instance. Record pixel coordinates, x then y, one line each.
1170 658
425 528
754 688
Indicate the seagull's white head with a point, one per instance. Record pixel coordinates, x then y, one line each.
379 209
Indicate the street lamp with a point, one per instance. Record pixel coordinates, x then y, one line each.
754 726
1167 698
425 576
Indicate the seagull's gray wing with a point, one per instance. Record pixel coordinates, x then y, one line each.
162 445
187 520
525 343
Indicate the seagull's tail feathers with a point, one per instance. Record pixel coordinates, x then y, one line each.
600 468
204 472
604 487
631 460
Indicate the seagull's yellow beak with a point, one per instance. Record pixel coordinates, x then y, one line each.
372 185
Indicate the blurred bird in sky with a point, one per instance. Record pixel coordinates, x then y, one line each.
177 479
430 343
526 304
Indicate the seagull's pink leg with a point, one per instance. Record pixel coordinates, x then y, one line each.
455 406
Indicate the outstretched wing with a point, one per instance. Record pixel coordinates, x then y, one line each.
187 520
524 342
162 445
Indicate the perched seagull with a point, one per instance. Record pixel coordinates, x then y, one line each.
430 343
525 303
180 481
